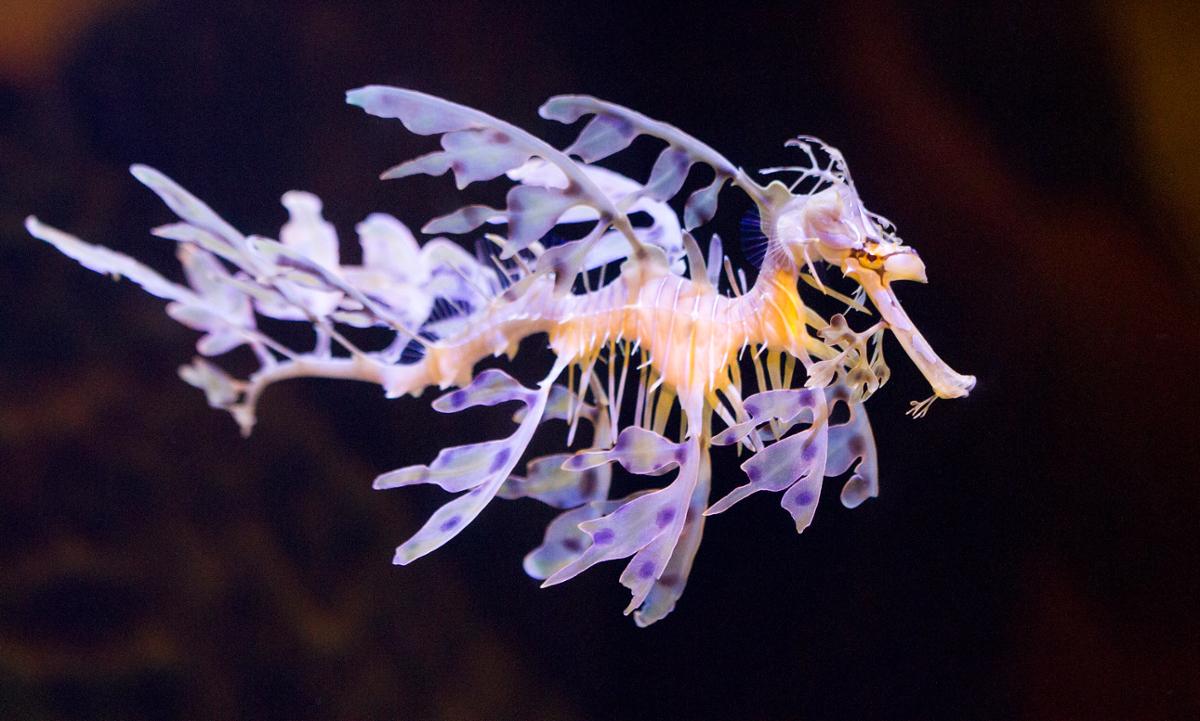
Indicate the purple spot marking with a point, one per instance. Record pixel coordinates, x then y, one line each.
499 461
805 397
603 536
450 523
574 545
856 445
646 570
457 398
664 517
754 473
809 452
680 454
804 498
751 409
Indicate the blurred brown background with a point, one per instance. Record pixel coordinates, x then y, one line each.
1033 554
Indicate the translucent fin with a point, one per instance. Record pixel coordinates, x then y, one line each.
659 600
663 231
668 174
186 205
561 404
491 387
564 541
108 262
601 137
701 205
219 389
455 469
484 465
472 155
491 147
638 526
188 233
640 451
716 256
681 152
796 460
786 406
463 220
547 481
225 314
849 442
753 240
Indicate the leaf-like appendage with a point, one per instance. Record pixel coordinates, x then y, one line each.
480 467
797 458
663 231
472 154
668 174
784 405
186 205
225 312
491 387
479 146
421 114
849 442
658 594
463 220
188 233
797 463
389 246
614 127
218 387
647 528
640 451
108 262
455 469
716 255
564 542
602 137
547 481
701 205
532 212
565 404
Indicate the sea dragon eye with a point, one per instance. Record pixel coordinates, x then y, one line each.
643 324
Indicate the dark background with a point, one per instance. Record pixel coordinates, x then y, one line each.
1033 552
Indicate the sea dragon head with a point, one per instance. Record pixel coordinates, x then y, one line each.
820 217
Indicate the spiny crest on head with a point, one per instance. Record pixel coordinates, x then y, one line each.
817 175
833 171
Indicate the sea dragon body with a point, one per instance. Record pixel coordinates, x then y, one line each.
622 300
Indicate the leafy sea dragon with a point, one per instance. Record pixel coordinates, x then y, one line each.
619 298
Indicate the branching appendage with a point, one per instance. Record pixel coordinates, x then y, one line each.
624 306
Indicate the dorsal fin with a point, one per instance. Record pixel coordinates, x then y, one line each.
752 238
